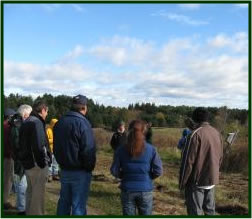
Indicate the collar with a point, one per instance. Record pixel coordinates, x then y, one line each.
74 113
37 116
204 124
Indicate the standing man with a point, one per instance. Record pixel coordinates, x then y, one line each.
35 157
119 137
20 181
148 135
74 149
8 161
183 139
201 160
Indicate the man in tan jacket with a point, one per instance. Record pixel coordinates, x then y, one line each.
201 160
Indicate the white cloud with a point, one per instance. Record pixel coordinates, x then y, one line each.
116 55
238 42
52 78
190 6
190 71
77 51
180 18
117 49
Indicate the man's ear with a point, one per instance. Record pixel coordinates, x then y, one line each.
85 109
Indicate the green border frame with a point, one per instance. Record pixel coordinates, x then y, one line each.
132 2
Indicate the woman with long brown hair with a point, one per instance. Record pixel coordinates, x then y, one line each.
137 163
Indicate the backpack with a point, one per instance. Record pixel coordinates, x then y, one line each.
15 123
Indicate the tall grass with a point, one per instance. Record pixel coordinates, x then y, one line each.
237 160
166 137
166 140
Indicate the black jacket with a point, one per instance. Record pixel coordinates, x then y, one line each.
118 139
73 143
34 142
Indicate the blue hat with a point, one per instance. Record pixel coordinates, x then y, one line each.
80 99
9 112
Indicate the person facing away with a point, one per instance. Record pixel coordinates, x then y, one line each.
137 163
75 151
8 164
183 139
201 160
20 181
119 137
35 157
148 135
53 169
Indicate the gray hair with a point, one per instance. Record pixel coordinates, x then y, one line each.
24 110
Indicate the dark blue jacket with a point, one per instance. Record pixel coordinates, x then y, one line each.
183 140
74 144
33 142
136 173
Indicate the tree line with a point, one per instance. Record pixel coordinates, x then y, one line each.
108 116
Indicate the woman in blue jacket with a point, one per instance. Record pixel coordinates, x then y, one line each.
137 163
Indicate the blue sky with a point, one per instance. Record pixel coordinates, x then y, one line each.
117 54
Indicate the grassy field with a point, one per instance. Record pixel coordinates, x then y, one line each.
104 199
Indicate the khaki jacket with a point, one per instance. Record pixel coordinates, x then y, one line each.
201 157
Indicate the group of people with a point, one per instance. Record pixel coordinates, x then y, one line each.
14 173
136 161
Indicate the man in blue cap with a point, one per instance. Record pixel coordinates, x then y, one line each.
8 161
74 150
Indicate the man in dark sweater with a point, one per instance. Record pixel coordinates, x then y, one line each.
119 137
35 157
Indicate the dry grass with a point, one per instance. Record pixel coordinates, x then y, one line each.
237 160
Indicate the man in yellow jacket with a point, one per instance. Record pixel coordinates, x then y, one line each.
53 170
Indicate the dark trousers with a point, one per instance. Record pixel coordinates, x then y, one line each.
199 201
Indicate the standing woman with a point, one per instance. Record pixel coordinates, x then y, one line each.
137 163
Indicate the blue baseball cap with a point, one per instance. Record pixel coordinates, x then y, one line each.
80 99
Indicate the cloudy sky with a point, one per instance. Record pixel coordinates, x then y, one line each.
117 54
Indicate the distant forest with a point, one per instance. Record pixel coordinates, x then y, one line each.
107 116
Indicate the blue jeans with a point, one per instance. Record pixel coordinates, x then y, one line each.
54 168
142 201
74 192
20 188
